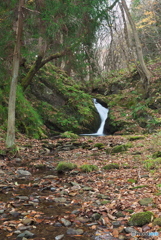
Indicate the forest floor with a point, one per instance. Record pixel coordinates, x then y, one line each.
37 202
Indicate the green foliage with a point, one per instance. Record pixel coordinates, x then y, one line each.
88 168
111 166
69 134
65 166
157 221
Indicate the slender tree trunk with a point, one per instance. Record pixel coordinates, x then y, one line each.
10 140
143 70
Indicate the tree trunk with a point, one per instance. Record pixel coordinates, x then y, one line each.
10 140
142 69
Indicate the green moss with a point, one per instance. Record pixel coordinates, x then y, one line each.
69 134
157 221
134 138
65 166
157 154
140 219
146 201
121 148
111 166
88 168
99 145
132 180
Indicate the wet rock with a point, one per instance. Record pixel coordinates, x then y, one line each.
23 173
96 216
65 222
26 234
53 189
72 231
59 237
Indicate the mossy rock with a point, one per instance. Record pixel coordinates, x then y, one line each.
65 166
157 221
88 168
121 148
111 166
99 145
146 201
140 219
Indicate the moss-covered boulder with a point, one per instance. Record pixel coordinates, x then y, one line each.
140 219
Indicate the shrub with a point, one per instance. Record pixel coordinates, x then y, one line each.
88 168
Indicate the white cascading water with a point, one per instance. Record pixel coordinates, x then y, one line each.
103 113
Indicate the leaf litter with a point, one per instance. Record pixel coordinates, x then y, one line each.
77 205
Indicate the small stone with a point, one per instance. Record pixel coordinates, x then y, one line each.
116 224
23 198
76 212
14 213
26 234
17 232
2 172
60 200
66 222
53 189
59 237
50 176
129 230
18 160
1 211
87 188
23 173
58 224
27 221
72 231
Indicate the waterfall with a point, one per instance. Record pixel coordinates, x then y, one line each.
103 113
